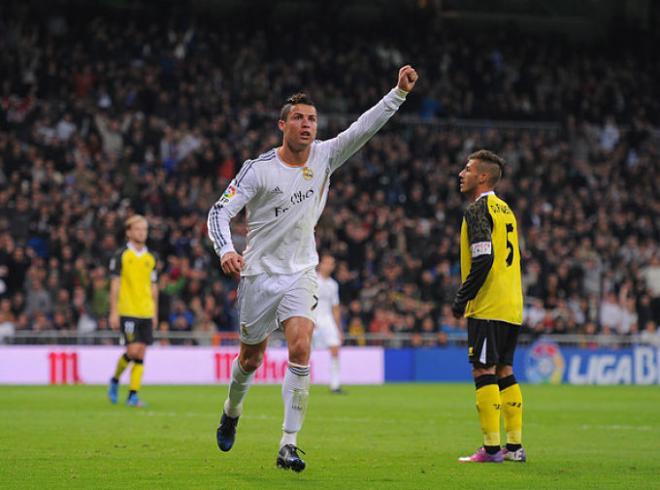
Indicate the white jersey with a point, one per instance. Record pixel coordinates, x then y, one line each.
284 203
328 298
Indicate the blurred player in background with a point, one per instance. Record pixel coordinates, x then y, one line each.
491 299
285 190
328 334
133 305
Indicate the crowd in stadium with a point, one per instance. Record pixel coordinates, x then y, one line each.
100 119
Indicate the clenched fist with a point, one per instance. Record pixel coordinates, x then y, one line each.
231 263
407 78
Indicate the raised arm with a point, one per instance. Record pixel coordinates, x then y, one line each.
239 192
352 139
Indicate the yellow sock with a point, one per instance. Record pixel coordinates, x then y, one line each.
122 364
488 406
512 409
136 375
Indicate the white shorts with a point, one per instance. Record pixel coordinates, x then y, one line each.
265 301
326 333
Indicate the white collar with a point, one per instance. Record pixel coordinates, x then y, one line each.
485 194
135 250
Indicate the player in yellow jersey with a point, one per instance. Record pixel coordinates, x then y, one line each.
133 305
491 299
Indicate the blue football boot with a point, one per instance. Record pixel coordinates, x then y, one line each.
226 433
134 401
113 391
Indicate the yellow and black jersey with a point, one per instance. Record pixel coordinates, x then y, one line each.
490 262
137 271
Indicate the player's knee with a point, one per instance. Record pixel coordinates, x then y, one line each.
299 351
504 370
479 369
251 362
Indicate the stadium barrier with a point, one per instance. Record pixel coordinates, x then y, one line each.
66 364
545 361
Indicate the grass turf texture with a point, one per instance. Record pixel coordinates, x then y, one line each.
393 436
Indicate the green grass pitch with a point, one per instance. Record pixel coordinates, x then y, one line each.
392 436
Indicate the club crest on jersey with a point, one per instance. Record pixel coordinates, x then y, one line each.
308 173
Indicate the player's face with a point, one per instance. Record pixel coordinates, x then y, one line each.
138 232
327 265
300 126
469 177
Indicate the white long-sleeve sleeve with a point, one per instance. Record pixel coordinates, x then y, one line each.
349 141
238 193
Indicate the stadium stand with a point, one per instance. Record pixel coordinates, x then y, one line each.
152 113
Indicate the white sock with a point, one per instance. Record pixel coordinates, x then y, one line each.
334 373
295 393
289 438
238 388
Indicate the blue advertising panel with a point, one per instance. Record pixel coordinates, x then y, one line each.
444 364
427 365
542 362
546 362
399 365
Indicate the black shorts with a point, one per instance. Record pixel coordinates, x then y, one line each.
491 342
136 330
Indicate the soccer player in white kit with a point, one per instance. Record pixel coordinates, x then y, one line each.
284 191
327 334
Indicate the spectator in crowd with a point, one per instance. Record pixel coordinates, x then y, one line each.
650 334
181 319
7 319
38 299
651 274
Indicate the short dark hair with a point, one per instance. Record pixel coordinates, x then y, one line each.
495 164
299 98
